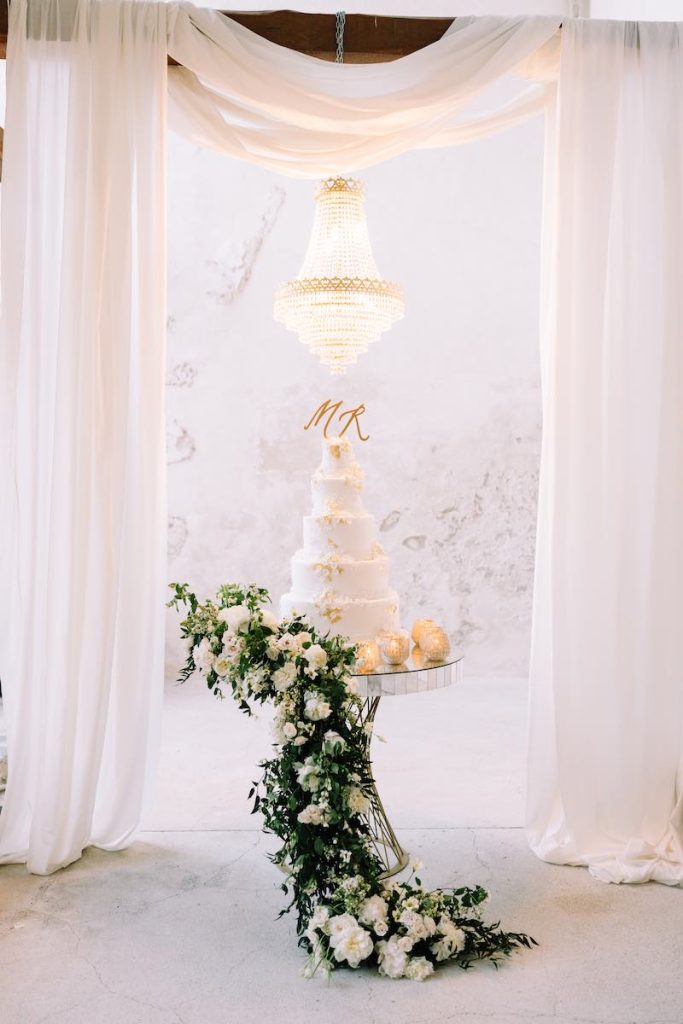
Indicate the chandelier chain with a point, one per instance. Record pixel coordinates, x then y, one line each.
339 35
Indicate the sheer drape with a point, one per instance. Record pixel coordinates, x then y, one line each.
305 117
82 373
605 784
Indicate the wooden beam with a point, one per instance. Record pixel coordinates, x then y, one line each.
366 37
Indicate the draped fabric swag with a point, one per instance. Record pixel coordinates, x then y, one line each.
83 523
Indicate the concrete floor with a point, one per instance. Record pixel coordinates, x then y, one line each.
182 929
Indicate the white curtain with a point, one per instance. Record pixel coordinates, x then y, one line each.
82 535
605 766
246 97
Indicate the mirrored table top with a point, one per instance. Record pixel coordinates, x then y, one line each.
415 675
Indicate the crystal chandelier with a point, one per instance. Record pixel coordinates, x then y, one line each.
339 303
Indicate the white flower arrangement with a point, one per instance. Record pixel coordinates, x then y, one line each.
315 795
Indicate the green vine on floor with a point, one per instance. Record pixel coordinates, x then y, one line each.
314 794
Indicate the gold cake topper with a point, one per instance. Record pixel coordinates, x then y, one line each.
331 410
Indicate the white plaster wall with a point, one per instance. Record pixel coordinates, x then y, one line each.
452 391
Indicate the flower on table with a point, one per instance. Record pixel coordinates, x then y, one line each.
237 618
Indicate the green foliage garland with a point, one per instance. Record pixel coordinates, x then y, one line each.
314 794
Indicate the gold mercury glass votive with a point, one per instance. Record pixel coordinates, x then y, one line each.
420 625
367 656
395 647
434 644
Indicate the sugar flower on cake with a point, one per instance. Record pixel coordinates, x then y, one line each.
237 618
316 708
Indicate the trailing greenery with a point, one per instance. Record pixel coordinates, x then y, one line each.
314 794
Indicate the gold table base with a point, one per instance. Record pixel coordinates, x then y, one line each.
385 841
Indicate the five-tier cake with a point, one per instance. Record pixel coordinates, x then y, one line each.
340 578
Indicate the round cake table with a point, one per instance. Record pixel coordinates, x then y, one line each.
414 676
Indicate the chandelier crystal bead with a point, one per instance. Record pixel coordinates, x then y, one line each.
338 304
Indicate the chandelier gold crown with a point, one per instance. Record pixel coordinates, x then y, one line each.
338 304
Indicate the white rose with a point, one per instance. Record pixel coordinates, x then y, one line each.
269 620
418 969
236 617
287 642
373 911
289 730
392 959
299 741
351 944
316 709
222 665
356 801
316 657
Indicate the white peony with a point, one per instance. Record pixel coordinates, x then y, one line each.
314 814
452 942
373 911
301 639
350 943
356 801
236 618
418 969
204 656
269 620
392 959
316 709
316 658
284 677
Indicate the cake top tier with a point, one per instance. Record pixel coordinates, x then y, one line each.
337 455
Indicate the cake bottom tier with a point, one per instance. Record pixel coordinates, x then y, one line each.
356 618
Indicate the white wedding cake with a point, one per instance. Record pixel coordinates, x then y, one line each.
340 578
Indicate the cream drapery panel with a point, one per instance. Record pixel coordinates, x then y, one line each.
82 533
306 117
605 778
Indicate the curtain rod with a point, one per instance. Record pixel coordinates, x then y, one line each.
367 37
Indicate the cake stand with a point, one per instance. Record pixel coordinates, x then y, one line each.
414 676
